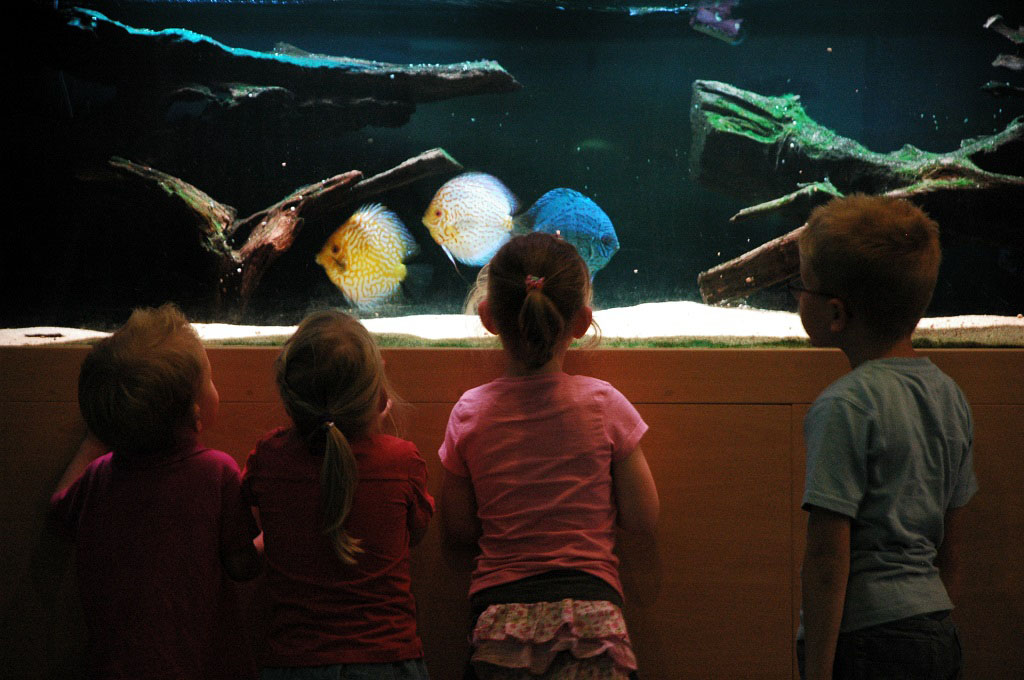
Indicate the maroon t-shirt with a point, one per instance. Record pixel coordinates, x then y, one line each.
323 611
149 535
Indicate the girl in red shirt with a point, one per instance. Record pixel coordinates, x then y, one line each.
540 466
340 503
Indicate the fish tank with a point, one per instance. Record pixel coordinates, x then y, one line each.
254 161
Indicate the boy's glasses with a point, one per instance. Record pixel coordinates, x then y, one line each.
796 286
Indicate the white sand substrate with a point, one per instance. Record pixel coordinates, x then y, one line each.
680 321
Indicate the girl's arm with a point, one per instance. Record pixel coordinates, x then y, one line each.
459 521
416 534
243 559
258 541
243 563
825 573
421 505
636 496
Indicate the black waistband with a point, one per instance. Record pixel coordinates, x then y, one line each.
551 586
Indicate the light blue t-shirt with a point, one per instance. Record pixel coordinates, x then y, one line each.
890 446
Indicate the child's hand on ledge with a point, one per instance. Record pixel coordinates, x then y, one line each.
89 450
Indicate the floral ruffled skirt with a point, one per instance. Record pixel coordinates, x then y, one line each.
567 640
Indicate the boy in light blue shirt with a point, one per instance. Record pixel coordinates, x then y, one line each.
889 452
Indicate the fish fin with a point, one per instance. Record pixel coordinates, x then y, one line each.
523 224
390 221
409 246
450 257
373 209
509 225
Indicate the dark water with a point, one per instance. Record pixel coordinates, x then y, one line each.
604 109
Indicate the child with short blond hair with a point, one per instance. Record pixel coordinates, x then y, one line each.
889 452
158 521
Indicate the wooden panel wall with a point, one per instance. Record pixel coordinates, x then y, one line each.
717 597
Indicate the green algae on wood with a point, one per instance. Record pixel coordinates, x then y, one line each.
767 150
758 148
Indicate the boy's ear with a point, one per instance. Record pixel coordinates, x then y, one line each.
839 316
581 322
484 310
197 421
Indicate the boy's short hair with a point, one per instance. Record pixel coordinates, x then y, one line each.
879 255
137 388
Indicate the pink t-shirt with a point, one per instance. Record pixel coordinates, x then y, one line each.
539 450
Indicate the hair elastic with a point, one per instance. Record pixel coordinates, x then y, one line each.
534 282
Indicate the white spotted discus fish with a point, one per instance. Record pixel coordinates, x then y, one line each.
365 257
473 215
470 217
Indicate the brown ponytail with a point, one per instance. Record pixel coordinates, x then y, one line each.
331 379
338 478
535 284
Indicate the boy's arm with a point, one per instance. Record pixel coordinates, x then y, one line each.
825 573
948 559
636 496
89 450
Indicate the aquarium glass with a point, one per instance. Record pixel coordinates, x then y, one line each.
604 108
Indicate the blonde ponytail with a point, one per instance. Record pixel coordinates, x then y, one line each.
331 379
338 479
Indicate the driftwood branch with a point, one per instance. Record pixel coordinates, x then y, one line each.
93 46
809 194
778 260
767 265
1014 62
998 24
175 70
235 272
759 148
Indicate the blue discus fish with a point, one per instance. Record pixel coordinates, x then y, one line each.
578 220
471 217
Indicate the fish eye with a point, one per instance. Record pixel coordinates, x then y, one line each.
334 249
437 213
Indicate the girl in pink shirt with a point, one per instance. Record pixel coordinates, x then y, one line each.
340 504
540 466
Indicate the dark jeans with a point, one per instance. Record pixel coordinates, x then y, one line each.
413 669
925 647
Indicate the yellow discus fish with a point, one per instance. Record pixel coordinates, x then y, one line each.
470 217
364 257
